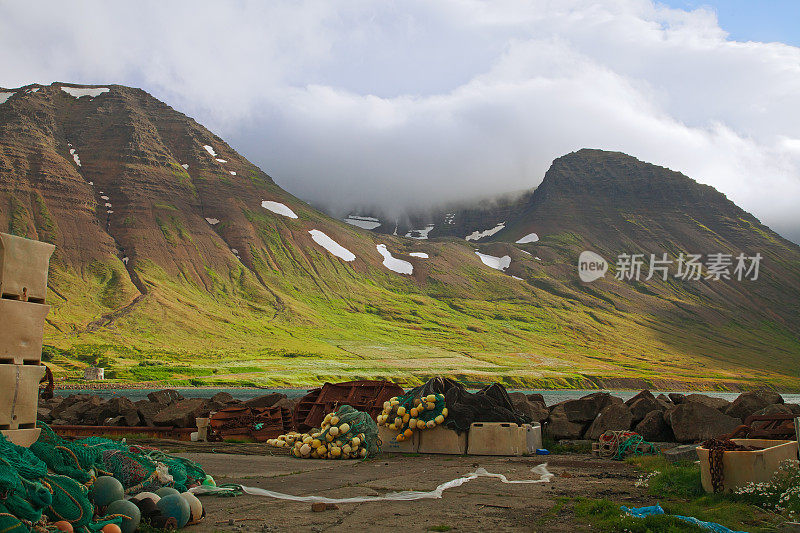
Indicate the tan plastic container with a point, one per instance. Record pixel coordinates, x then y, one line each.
21 330
23 268
442 440
389 444
533 437
19 395
22 437
740 468
496 438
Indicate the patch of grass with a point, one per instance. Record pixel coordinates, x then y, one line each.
568 447
606 515
440 527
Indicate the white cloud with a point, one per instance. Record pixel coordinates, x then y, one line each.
413 103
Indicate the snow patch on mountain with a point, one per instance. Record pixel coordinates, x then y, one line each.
278 208
421 234
5 96
497 263
210 150
332 246
394 264
363 222
185 166
423 255
232 173
517 277
530 237
221 160
80 92
212 221
478 235
74 155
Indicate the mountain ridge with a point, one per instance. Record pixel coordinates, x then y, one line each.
189 268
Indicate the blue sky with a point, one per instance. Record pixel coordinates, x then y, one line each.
753 20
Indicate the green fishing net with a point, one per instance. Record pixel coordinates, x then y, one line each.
53 478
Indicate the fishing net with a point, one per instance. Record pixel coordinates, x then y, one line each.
490 404
345 434
621 444
419 409
54 476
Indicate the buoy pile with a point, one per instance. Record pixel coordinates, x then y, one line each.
345 434
407 414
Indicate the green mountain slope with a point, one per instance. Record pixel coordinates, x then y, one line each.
185 275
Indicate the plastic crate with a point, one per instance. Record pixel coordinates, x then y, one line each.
533 437
496 438
389 444
742 467
19 395
22 437
21 332
442 440
366 395
23 268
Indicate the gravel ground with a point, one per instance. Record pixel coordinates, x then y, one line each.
483 504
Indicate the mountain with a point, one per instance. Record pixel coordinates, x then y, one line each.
177 259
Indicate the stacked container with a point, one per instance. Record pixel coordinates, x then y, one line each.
23 287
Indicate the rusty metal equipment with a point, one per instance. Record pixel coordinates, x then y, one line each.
775 426
365 395
251 423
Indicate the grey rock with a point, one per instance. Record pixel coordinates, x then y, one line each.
616 416
694 421
654 428
746 404
644 405
182 414
717 403
165 397
267 400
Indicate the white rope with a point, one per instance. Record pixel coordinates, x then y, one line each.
407 495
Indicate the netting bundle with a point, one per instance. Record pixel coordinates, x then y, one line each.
345 434
414 411
52 480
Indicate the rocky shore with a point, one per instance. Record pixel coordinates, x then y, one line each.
664 418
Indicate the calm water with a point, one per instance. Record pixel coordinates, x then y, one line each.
550 396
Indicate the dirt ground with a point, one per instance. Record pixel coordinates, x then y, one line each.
483 504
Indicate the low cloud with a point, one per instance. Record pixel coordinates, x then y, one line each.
408 105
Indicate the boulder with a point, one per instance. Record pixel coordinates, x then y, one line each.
44 414
616 416
535 411
746 404
644 394
710 401
536 397
654 428
165 397
147 411
268 400
794 407
643 406
776 409
559 427
676 397
663 398
131 417
223 398
76 412
109 409
182 414
587 408
769 396
694 421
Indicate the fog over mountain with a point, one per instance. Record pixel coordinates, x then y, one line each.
415 104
